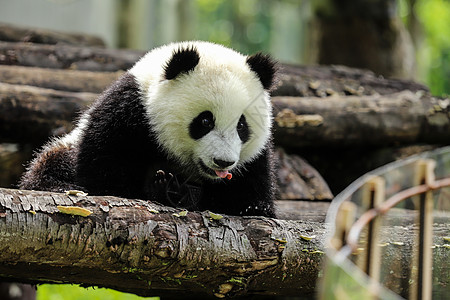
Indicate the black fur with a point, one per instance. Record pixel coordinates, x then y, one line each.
53 169
118 155
117 147
201 125
183 60
265 67
243 130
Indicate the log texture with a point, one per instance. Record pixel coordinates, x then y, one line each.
324 81
401 118
11 33
30 113
143 248
300 81
67 57
147 249
64 80
297 179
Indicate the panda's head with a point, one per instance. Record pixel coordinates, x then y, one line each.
208 105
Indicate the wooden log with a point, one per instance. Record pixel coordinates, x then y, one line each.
399 118
30 114
325 81
12 33
65 80
141 247
147 249
297 179
300 81
67 57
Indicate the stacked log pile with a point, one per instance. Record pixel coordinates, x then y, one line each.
333 116
344 121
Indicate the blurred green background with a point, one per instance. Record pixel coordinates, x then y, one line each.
433 53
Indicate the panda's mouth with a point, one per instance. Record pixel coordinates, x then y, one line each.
213 173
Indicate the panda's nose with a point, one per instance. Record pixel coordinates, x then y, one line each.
222 163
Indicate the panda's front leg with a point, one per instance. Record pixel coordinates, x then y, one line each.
169 189
160 187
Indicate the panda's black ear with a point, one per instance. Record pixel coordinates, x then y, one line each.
183 60
265 67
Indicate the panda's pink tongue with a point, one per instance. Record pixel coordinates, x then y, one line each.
223 174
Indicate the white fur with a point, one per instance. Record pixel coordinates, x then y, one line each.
222 83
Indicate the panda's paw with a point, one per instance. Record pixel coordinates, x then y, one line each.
162 179
160 186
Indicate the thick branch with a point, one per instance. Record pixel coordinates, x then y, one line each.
324 81
146 249
64 80
67 57
141 247
11 33
400 118
30 113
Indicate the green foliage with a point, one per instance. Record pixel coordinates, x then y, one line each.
74 292
434 54
254 25
243 25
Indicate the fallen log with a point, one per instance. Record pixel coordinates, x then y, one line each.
299 81
67 57
325 81
64 80
141 247
31 114
12 33
144 248
297 179
401 118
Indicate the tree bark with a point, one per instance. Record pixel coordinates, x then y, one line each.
31 114
297 179
67 57
362 34
64 80
294 80
401 118
11 33
141 247
324 81
147 249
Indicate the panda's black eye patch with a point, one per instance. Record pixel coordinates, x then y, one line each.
242 129
201 125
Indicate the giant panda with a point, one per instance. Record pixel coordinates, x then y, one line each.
189 125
